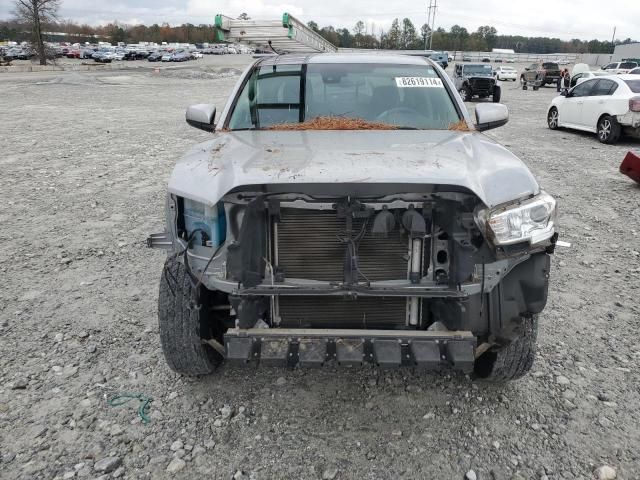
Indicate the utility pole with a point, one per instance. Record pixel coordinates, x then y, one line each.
428 32
613 42
433 22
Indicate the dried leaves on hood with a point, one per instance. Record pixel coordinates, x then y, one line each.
460 126
334 123
341 123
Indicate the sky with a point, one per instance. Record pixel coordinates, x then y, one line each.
584 19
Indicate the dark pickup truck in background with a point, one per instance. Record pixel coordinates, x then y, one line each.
547 73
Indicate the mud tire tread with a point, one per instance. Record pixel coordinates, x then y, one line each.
180 323
516 359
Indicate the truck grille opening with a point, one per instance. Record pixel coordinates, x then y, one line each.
339 312
308 247
481 83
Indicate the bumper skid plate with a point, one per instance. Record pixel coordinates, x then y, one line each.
317 347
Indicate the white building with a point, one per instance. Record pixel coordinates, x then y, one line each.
630 50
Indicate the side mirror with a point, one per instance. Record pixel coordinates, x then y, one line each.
527 68
564 93
201 116
491 115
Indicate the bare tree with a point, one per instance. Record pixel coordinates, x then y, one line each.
37 13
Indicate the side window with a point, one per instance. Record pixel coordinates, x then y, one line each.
610 66
459 69
583 89
271 96
628 65
604 87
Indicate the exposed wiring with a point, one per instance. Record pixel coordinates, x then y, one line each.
482 291
176 255
199 282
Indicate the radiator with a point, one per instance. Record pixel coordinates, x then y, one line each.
308 247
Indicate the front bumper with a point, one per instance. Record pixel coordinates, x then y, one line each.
320 347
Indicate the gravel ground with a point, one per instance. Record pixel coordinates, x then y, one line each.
85 159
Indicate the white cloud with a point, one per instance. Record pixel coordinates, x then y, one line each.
584 19
233 8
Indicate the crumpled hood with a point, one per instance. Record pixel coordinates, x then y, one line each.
467 159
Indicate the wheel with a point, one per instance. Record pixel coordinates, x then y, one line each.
465 93
497 93
536 88
512 361
185 320
524 87
552 118
609 129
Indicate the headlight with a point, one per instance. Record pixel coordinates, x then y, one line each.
531 220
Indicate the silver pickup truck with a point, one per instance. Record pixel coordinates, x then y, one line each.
347 210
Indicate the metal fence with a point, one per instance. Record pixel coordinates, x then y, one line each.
459 56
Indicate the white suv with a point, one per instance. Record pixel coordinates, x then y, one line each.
620 67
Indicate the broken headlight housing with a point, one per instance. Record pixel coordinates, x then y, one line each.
531 220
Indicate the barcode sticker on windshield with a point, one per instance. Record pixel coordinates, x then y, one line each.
420 82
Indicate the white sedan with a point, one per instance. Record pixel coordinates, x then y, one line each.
608 106
506 73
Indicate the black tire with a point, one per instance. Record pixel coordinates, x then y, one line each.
497 94
514 360
552 118
536 88
465 93
524 87
609 130
184 321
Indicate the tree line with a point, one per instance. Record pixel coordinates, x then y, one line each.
402 34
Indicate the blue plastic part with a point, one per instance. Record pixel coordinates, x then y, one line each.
210 219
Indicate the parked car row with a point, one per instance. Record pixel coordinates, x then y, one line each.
107 54
20 53
223 49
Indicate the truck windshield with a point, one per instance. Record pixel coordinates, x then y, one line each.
550 66
402 96
477 69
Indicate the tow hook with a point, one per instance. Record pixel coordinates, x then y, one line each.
160 240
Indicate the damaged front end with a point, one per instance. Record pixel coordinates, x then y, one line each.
388 274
